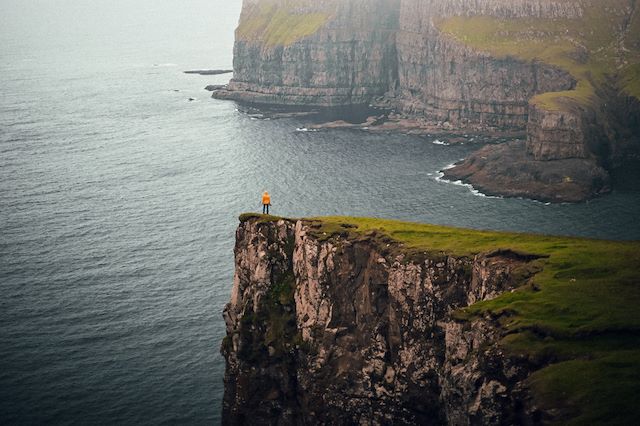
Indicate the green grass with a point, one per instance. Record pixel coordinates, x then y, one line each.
601 390
579 319
281 332
276 24
588 47
631 79
264 218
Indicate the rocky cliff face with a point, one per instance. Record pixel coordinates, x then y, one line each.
447 81
349 59
395 53
353 329
367 48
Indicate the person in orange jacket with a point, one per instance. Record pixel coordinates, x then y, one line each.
266 202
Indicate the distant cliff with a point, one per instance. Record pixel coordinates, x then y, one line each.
326 52
363 321
562 70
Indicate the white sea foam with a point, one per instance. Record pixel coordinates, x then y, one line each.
474 191
440 178
449 166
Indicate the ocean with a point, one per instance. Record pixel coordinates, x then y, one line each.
119 199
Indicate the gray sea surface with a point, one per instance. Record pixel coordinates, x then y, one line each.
119 200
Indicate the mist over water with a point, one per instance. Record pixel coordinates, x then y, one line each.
119 200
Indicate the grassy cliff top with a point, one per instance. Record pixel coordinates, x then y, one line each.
281 22
579 316
604 41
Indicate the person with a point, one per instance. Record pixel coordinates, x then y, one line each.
266 202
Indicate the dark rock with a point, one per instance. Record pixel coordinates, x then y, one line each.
208 72
369 338
214 87
507 169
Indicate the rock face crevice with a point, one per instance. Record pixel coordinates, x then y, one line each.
351 329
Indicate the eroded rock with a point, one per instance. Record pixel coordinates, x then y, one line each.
370 338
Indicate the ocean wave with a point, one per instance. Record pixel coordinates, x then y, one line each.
449 166
440 178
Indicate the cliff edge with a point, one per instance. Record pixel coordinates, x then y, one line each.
368 321
566 72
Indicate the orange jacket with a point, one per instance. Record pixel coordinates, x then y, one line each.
266 199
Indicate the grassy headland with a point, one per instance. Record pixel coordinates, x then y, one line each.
578 317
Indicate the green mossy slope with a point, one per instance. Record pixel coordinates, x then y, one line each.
605 41
276 23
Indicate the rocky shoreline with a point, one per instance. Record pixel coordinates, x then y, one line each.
505 170
394 122
504 167
208 72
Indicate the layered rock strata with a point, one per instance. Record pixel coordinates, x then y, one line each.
370 48
352 329
349 60
449 82
393 53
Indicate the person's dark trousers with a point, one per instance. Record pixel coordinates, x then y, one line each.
265 209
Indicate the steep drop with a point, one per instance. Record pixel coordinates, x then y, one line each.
370 321
350 329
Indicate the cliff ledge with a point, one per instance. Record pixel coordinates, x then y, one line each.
368 321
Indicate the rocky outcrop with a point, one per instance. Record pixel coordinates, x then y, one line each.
345 328
565 158
508 170
557 135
